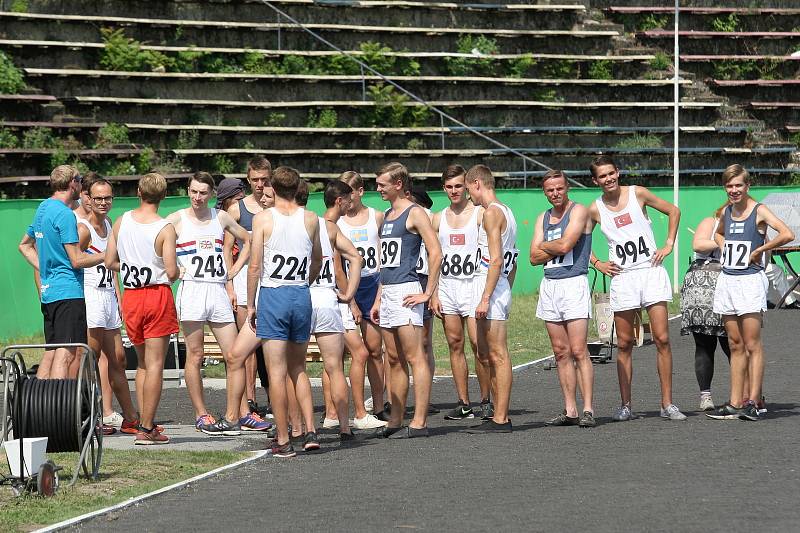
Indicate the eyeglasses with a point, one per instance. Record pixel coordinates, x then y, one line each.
103 199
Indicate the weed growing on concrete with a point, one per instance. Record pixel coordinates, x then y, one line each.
12 80
637 141
7 138
222 164
726 24
519 67
660 61
275 119
112 134
122 53
19 6
325 118
601 70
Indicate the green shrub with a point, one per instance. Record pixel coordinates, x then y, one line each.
144 161
19 6
471 66
726 24
222 164
795 139
415 144
7 138
12 80
640 141
735 70
660 61
601 70
653 22
38 138
59 157
560 69
374 55
125 54
326 118
188 140
275 119
519 67
112 134
188 61
124 167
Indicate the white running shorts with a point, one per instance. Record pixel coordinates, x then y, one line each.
741 295
392 312
325 314
640 287
455 295
500 301
564 299
348 320
240 287
102 309
199 301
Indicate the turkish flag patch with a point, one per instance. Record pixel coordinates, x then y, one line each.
457 239
623 220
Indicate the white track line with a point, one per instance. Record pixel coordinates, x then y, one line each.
82 518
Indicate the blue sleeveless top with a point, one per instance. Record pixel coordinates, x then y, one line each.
573 263
741 238
399 250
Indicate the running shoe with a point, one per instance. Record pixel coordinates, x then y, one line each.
254 422
369 422
487 409
148 438
222 428
587 420
563 420
310 442
107 430
282 451
386 432
346 439
623 413
490 426
433 410
330 423
761 405
749 412
672 412
131 427
461 412
114 419
706 403
408 432
204 421
726 412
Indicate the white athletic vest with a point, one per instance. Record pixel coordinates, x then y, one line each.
460 250
629 233
422 262
326 278
139 264
365 239
97 278
199 250
509 238
287 253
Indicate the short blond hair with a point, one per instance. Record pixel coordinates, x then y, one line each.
62 176
397 172
483 173
152 188
734 171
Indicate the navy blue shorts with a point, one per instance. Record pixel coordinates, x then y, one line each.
427 314
284 313
366 294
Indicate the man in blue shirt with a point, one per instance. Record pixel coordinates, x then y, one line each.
51 246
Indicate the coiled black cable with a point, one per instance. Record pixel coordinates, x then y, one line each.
48 409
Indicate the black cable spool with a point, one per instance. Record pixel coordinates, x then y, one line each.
49 410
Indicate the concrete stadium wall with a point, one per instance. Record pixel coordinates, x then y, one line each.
21 316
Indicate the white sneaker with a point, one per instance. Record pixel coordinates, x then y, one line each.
114 419
369 404
706 403
672 412
368 422
330 423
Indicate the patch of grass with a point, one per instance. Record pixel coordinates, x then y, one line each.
660 61
7 138
120 479
640 141
653 22
12 81
325 118
727 24
111 134
19 6
601 70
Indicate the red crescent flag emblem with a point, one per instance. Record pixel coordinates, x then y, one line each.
623 220
457 239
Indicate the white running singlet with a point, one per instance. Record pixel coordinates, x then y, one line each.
460 250
97 278
365 239
287 253
326 278
629 233
199 250
139 264
509 238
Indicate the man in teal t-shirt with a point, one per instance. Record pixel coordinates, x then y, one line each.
51 246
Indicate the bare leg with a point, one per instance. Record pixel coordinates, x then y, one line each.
151 358
246 341
63 360
578 330
481 362
302 386
250 359
118 382
738 358
409 341
330 407
193 336
331 345
559 340
105 384
751 333
375 368
358 362
398 376
495 333
659 328
225 333
623 326
454 333
46 364
275 354
295 413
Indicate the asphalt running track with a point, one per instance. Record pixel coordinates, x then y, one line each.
644 475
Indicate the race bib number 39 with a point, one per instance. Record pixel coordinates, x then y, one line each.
736 255
390 252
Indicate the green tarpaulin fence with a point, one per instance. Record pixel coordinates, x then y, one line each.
20 314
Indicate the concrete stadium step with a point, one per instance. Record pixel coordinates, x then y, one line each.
776 114
774 4
38 26
400 13
751 18
270 87
473 113
87 55
769 90
741 66
725 43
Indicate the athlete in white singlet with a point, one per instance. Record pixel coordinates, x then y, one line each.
638 278
102 310
285 256
142 250
491 291
360 225
457 227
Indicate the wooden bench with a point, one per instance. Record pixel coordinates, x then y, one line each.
211 349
